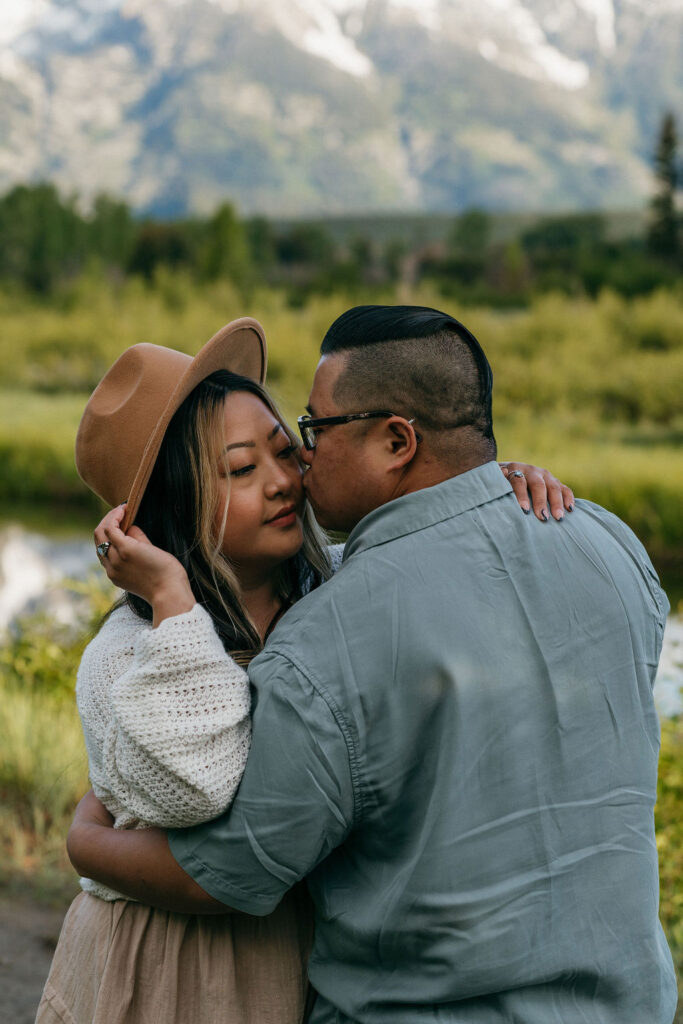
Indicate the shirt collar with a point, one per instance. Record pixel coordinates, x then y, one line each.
428 506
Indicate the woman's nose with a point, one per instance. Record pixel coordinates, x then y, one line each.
280 481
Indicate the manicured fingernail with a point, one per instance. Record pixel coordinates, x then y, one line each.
570 508
526 510
544 515
560 515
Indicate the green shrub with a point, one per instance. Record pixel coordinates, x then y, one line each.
37 434
40 656
669 826
590 388
43 764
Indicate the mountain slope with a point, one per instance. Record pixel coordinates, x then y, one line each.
290 106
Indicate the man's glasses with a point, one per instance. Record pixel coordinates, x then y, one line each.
308 425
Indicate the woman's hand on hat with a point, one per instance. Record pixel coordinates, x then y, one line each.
134 564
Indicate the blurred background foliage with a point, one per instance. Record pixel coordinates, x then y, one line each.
48 241
43 764
591 387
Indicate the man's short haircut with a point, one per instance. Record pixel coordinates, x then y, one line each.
418 362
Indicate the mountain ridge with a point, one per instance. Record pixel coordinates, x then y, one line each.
314 106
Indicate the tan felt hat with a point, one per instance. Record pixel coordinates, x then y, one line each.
129 411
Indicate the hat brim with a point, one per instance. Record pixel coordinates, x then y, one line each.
239 347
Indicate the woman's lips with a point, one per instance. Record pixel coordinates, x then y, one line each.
285 518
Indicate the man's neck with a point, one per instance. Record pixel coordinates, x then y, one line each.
431 471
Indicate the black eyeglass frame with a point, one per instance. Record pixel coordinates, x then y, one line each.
307 424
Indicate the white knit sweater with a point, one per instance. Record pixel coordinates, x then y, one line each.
165 715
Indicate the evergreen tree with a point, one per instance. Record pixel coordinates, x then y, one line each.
260 235
470 235
225 252
664 231
160 244
42 236
306 243
468 246
112 231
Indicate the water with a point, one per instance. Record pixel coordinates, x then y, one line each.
669 683
34 574
35 569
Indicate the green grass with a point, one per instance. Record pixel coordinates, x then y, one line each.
592 389
37 433
43 773
43 763
669 825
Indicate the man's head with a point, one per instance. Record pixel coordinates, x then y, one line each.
430 372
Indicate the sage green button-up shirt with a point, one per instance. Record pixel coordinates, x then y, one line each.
455 742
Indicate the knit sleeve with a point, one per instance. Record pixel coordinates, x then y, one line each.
176 743
336 553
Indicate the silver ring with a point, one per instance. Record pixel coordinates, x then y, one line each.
102 548
515 472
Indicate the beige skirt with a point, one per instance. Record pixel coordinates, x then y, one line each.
125 963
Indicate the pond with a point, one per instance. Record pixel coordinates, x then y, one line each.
35 567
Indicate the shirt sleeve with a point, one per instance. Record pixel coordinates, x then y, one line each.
630 543
177 739
295 803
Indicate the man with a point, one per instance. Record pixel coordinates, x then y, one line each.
454 739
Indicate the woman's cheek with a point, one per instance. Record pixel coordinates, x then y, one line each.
245 513
220 507
298 480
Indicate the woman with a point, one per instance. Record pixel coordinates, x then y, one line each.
222 544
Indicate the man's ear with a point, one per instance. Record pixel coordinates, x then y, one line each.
402 441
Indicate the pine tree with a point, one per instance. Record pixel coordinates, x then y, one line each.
664 231
225 250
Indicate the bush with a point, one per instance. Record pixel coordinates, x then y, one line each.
669 826
590 388
43 763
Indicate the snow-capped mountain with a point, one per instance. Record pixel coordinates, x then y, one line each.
291 106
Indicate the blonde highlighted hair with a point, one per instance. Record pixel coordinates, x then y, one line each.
179 508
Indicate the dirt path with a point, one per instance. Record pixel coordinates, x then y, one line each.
28 935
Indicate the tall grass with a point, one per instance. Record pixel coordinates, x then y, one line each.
43 773
669 821
43 764
590 388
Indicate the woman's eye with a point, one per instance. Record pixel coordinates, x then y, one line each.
242 471
286 452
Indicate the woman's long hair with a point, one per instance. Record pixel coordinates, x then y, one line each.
179 507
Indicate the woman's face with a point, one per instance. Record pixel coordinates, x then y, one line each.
263 526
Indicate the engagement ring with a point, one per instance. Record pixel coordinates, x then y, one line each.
102 548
